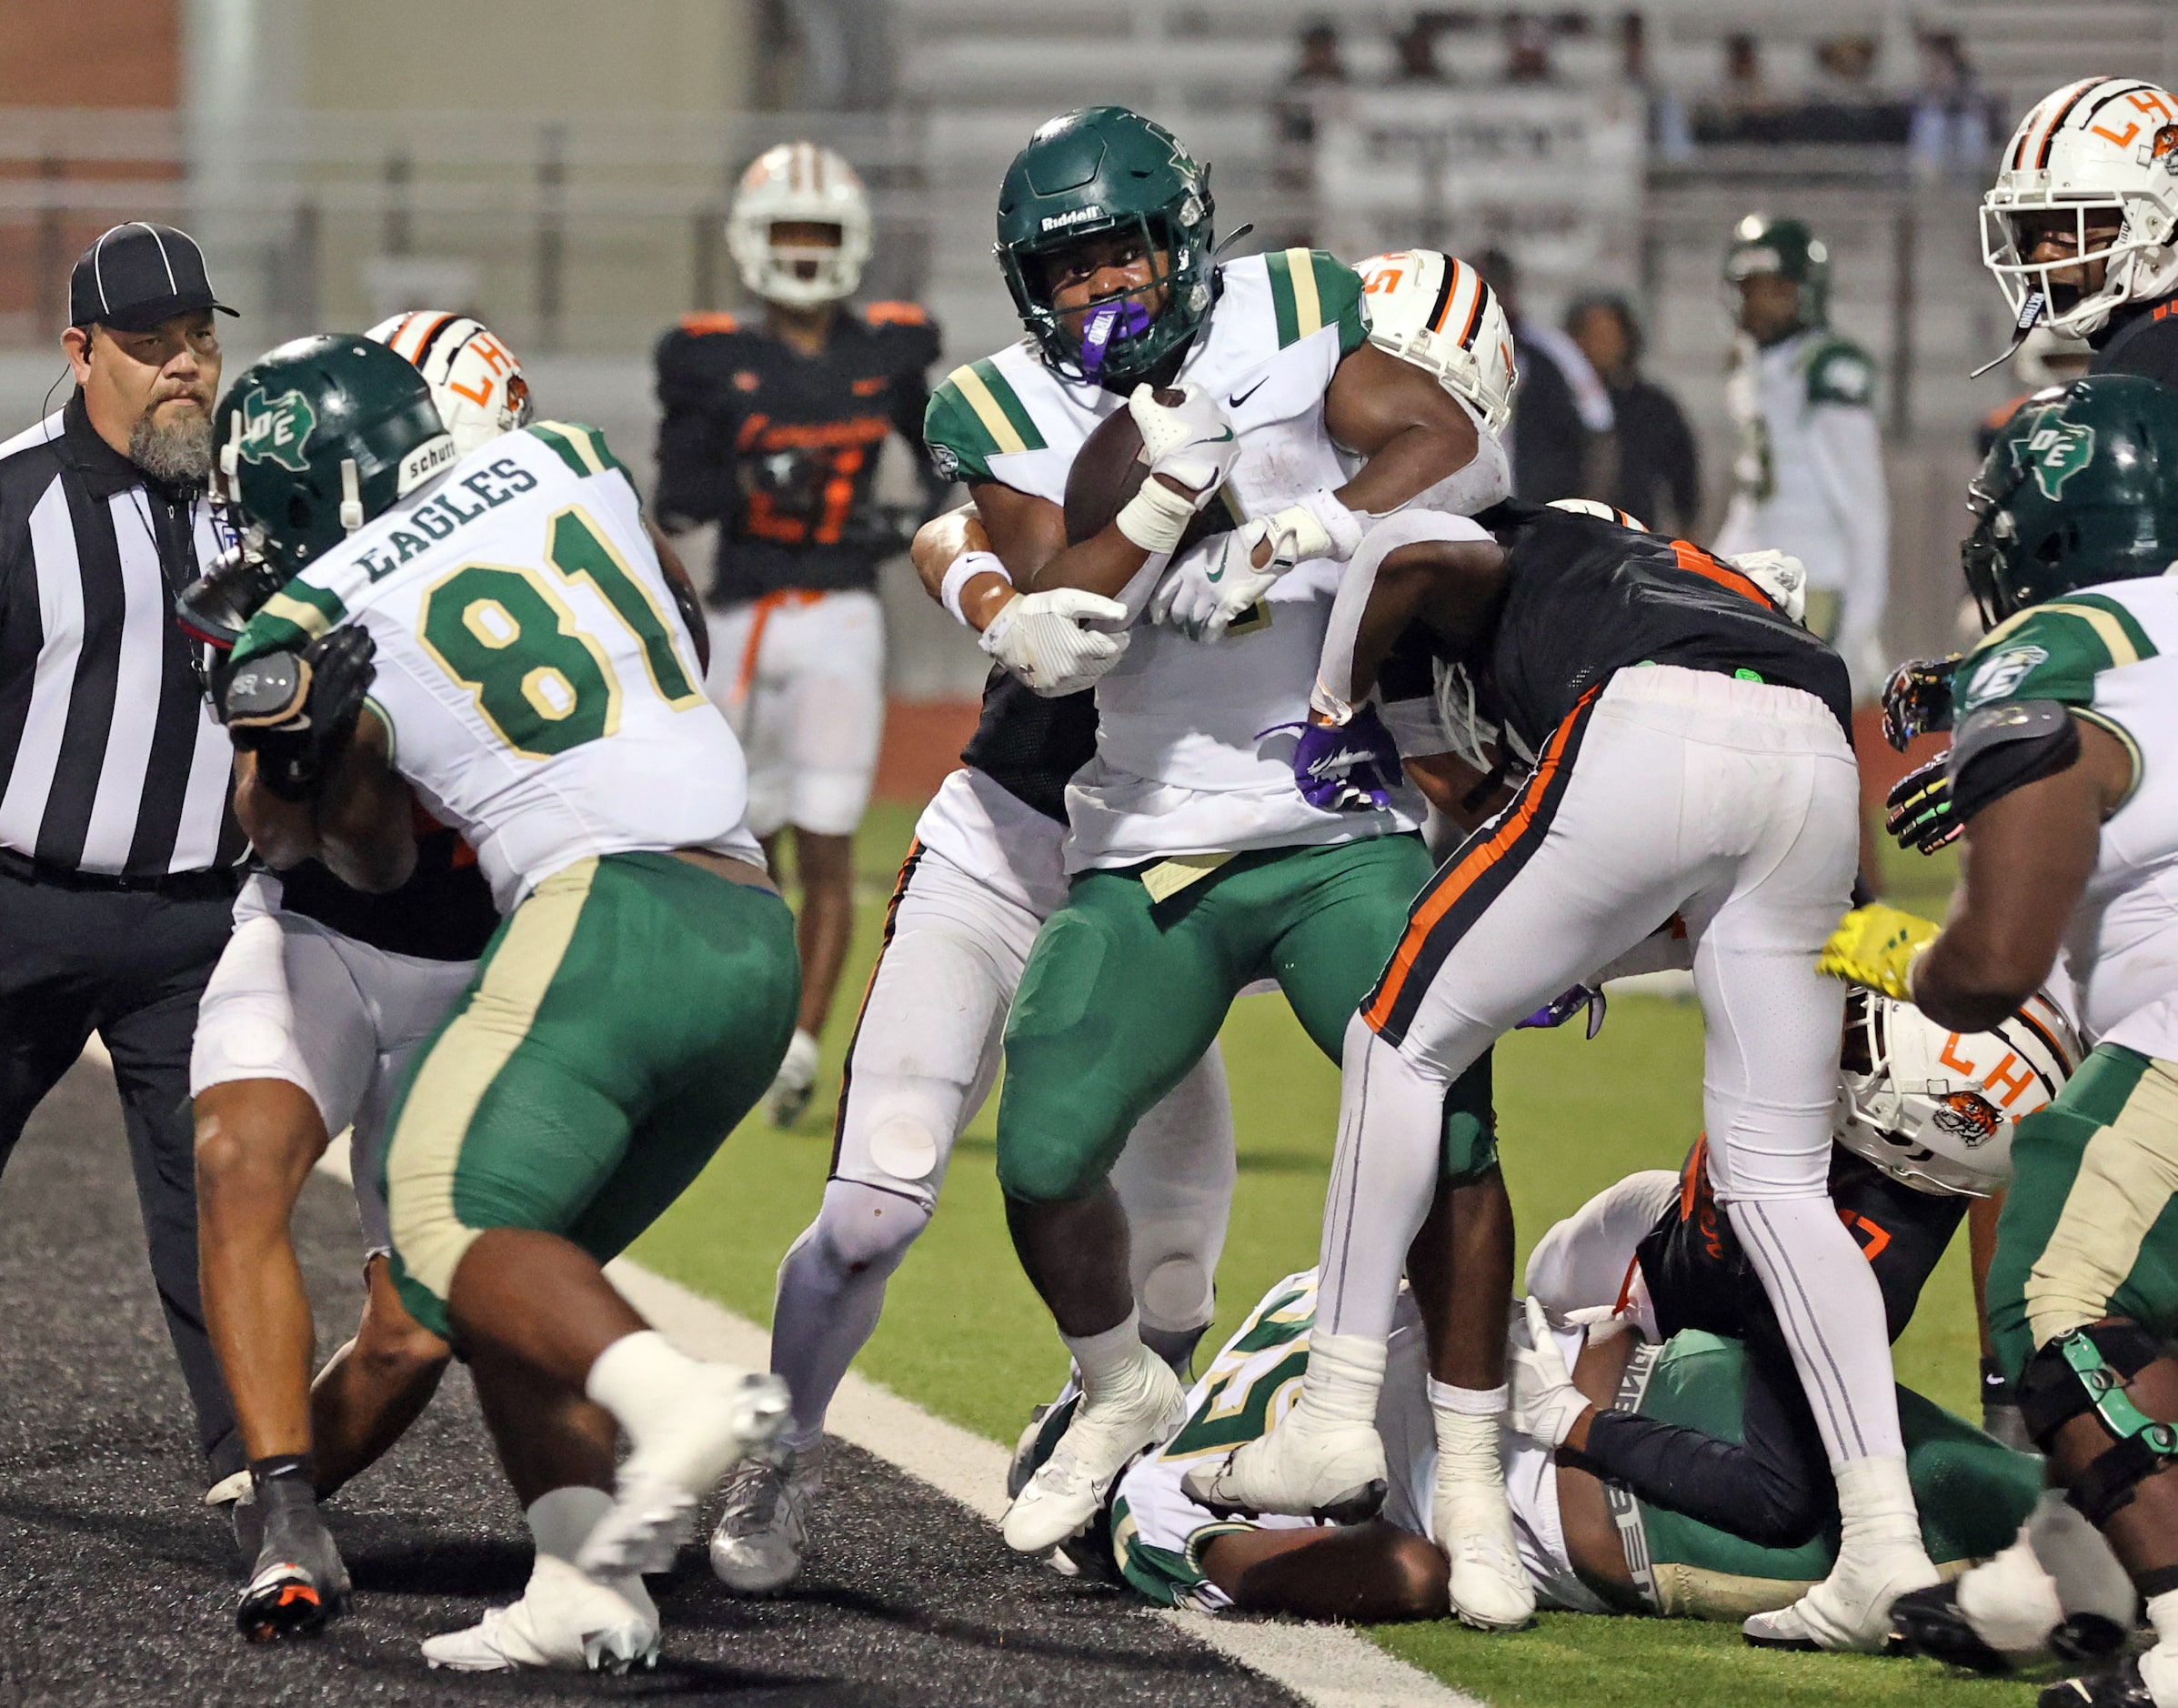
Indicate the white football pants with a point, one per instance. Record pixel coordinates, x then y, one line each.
1735 805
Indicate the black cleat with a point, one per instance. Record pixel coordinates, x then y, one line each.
298 1584
2121 1687
1929 1621
2088 1640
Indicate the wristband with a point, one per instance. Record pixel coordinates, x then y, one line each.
1327 705
1156 517
957 577
1341 526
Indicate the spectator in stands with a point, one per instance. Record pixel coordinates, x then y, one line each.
1658 473
1744 91
1527 48
1951 122
1846 68
1561 417
1315 90
1416 46
1668 132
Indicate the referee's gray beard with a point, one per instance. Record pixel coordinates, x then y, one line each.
181 452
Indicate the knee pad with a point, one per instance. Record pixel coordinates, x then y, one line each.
2084 1371
1176 1294
861 1228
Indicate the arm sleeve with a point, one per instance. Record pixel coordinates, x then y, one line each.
695 455
1357 583
1847 460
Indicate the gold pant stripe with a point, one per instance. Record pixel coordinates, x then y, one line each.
425 1151
2128 1172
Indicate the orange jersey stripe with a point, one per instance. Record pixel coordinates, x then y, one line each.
1695 561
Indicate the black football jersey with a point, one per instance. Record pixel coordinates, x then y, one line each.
1030 746
781 448
444 912
1585 597
2141 338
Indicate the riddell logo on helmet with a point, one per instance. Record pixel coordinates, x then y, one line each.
1968 1117
1073 216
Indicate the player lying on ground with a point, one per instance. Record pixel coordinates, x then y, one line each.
2071 831
507 619
319 1002
985 870
1690 758
1581 1549
1196 869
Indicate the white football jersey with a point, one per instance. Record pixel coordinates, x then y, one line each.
539 690
1186 762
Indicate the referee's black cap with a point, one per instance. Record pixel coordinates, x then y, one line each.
137 275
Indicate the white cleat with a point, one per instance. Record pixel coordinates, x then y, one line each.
1490 1587
764 1531
1066 1490
566 1622
1848 1610
723 1416
794 1084
1332 1473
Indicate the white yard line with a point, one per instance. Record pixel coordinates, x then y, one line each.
1327 1666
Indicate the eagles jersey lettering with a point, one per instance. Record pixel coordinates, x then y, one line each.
2109 654
1587 598
535 684
781 449
1180 766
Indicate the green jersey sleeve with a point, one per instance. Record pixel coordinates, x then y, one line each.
2052 651
974 416
1842 373
289 621
1309 290
582 449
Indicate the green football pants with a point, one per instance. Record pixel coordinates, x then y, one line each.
1121 995
623 1020
2090 1228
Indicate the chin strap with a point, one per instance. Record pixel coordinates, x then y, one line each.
351 496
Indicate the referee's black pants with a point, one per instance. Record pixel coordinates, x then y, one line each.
130 965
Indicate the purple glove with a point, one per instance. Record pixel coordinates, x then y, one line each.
1563 1007
1347 767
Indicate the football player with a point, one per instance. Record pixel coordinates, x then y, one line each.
2081 227
495 632
773 431
1195 869
2070 830
320 999
1689 757
1808 476
1585 1546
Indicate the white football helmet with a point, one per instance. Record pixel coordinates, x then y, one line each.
800 182
2104 145
1436 312
475 379
1936 1109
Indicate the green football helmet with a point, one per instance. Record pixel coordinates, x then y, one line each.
2080 488
317 438
1087 172
1786 248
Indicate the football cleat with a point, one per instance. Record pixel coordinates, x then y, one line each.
1332 1472
1047 1423
566 1621
796 1083
724 1415
1062 1496
2121 1687
1929 1623
1848 1610
298 1584
1490 1587
764 1531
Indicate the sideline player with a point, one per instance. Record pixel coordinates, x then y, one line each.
2063 727
1584 1547
505 622
1690 758
774 432
2081 227
985 870
1196 869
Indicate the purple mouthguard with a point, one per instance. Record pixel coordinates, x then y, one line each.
1110 322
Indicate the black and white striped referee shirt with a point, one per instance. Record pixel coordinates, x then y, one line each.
110 761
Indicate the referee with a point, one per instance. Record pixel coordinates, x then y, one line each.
117 846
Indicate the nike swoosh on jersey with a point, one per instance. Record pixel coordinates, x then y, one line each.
1235 401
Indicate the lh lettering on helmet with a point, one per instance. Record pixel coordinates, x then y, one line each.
275 430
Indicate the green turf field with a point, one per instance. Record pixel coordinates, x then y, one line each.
964 1336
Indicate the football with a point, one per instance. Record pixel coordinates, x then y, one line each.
1108 469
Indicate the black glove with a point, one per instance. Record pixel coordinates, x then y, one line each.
296 712
1917 699
1918 807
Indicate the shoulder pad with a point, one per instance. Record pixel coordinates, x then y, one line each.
1839 372
2003 748
896 314
707 324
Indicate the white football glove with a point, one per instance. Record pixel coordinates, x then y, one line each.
1214 583
1319 525
1044 640
1780 575
1545 1405
1191 440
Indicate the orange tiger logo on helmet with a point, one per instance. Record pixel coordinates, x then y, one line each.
1968 1117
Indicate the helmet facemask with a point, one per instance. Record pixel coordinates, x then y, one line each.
1123 338
2136 246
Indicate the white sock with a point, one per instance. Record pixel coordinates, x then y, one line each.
560 1520
1344 1377
1108 1359
1469 1401
798 1066
2159 1666
638 1377
2088 1576
2010 1602
1470 1428
1875 1506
